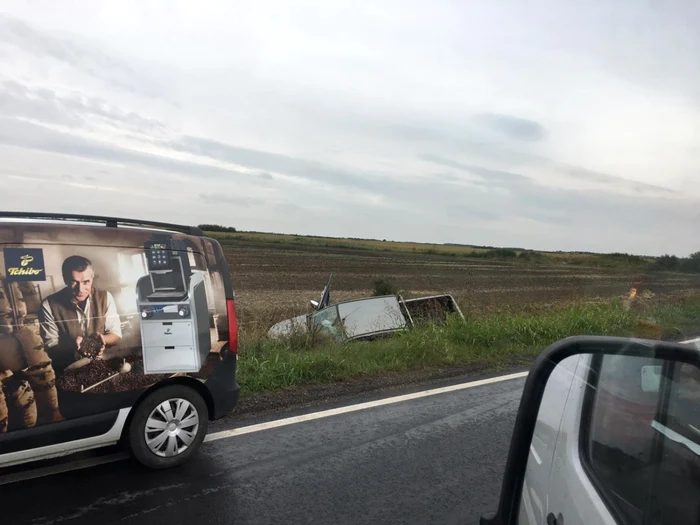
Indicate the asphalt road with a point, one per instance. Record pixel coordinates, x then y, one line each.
436 459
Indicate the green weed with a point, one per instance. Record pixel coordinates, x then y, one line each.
488 340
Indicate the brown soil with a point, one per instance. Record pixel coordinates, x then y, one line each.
276 281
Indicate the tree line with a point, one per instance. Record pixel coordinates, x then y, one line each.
216 228
671 263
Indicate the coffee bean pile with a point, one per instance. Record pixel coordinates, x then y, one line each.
135 379
98 369
85 376
90 346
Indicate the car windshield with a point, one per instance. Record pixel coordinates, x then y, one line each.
328 320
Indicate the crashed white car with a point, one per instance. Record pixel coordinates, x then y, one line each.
367 318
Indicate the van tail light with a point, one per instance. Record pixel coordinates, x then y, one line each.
232 326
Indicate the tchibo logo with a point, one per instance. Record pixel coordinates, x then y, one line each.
24 264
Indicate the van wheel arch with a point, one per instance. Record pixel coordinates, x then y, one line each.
191 382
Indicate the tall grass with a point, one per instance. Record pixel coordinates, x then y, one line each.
498 340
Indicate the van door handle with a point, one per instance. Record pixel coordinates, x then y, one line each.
555 520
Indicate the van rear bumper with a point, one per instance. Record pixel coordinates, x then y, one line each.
223 387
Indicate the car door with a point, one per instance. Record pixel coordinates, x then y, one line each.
628 451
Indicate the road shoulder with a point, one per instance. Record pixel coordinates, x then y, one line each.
310 398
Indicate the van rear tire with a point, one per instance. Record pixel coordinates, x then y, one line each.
168 427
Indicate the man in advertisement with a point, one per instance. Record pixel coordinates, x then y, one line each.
77 312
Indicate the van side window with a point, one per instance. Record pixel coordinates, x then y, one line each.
640 439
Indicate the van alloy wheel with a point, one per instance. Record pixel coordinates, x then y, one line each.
171 427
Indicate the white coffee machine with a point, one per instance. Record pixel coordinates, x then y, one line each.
172 303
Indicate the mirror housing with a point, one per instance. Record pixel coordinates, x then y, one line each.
517 461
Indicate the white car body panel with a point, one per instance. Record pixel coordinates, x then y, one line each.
289 326
571 492
112 437
555 481
533 509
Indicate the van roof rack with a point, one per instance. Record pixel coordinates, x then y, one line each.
110 222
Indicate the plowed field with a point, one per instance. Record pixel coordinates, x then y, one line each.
275 281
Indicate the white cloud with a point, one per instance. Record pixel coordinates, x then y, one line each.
546 126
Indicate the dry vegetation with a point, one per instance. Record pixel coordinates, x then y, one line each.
355 244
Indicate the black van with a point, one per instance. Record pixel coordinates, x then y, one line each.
112 331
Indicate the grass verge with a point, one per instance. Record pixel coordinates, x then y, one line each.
495 341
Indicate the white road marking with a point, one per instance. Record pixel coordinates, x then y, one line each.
224 434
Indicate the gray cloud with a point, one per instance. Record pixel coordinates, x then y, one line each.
512 127
288 208
460 213
587 213
490 176
572 219
402 127
33 136
80 55
261 160
593 176
527 214
410 132
44 105
210 198
29 135
500 176
499 182
17 100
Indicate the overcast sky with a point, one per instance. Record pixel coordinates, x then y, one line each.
547 125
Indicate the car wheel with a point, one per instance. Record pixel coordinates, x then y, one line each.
168 427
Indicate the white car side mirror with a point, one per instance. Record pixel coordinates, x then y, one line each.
636 412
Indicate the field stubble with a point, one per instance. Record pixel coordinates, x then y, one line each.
276 281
